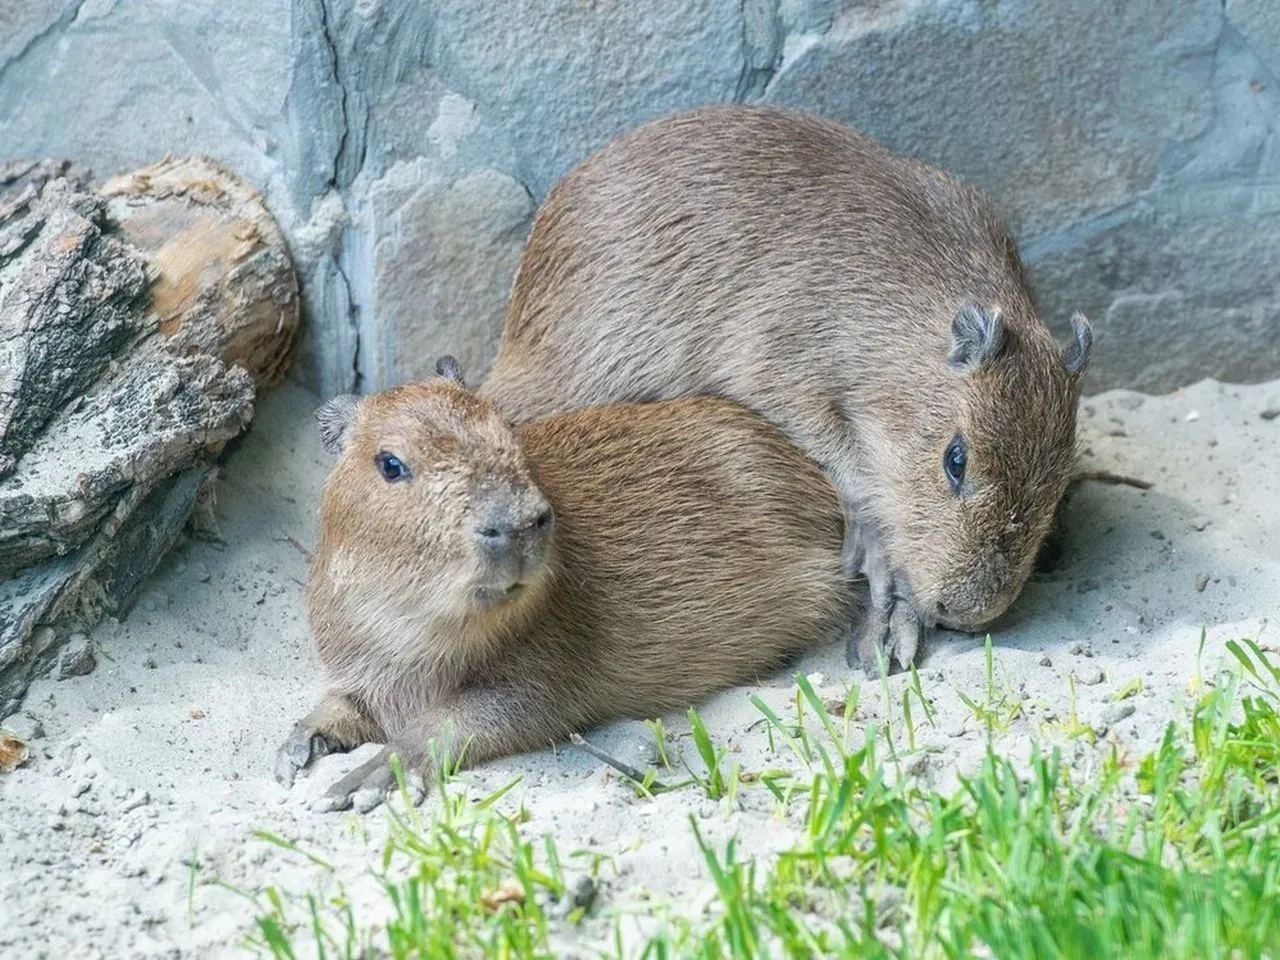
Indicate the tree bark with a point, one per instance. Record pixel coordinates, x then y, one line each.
137 323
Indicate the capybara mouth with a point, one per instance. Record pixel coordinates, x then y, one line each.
494 596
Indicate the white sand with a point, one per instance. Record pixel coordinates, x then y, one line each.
164 754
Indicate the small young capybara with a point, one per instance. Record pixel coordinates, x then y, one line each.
512 588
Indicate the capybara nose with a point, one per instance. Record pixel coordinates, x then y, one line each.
501 533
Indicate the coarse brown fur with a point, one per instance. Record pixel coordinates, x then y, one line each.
693 547
868 304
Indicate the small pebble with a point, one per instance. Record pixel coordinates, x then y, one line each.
1076 648
1199 523
579 896
42 638
1271 412
1193 416
77 658
1116 712
1045 661
330 804
1202 581
199 572
1090 676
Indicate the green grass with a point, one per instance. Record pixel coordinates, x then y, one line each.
1171 855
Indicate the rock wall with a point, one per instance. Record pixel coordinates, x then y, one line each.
404 144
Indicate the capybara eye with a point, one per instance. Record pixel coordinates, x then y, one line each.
953 462
544 520
390 467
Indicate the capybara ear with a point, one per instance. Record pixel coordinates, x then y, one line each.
337 418
1075 355
977 337
449 368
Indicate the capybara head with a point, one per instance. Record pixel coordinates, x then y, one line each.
432 493
984 466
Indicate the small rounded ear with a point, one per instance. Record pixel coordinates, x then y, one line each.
337 418
977 337
449 368
1075 355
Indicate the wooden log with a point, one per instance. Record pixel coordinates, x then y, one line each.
223 281
136 324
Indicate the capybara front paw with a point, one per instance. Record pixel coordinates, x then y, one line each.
882 639
303 745
368 784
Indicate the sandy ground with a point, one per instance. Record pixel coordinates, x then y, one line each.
162 757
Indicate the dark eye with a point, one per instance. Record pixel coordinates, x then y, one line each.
390 467
953 462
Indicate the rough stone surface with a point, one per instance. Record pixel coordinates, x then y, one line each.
1258 22
443 269
1133 149
77 658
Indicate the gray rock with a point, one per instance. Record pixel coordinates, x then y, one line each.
1090 675
556 80
1044 104
42 639
1259 24
578 895
1170 262
77 659
444 243
1115 712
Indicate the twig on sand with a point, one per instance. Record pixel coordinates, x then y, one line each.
628 771
1106 476
295 544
